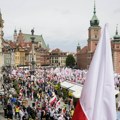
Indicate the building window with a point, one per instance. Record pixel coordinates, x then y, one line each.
89 56
56 61
117 46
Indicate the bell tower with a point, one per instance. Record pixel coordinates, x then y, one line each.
116 51
94 32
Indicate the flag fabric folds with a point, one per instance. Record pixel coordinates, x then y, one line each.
97 101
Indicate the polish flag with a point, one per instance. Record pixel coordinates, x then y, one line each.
59 104
53 100
97 101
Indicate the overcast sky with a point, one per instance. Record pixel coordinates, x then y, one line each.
63 23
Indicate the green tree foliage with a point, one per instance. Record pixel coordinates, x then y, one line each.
70 61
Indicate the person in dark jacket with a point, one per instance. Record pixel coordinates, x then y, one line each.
9 111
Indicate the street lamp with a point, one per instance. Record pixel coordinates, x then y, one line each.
33 61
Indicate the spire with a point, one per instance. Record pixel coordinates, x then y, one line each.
117 36
15 35
78 47
20 31
1 20
0 11
117 29
94 8
15 31
94 21
32 31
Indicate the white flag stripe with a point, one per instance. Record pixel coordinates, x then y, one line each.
97 98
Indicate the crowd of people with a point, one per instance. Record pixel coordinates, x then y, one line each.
36 97
39 92
117 81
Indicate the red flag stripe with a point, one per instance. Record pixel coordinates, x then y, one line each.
79 113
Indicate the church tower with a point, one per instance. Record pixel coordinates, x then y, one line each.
78 48
116 51
116 36
94 32
15 36
1 39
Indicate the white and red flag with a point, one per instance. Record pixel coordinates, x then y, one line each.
97 101
53 100
59 104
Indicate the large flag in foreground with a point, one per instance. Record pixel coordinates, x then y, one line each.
97 101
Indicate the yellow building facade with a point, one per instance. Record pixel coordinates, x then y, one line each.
20 57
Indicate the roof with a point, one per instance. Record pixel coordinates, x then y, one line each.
94 18
116 36
77 89
38 38
84 49
66 84
57 50
12 45
25 44
94 21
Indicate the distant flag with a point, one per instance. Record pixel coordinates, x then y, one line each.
53 100
97 101
59 104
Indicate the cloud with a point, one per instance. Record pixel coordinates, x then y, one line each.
116 11
64 21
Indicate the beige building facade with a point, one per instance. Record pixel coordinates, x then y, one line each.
58 58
